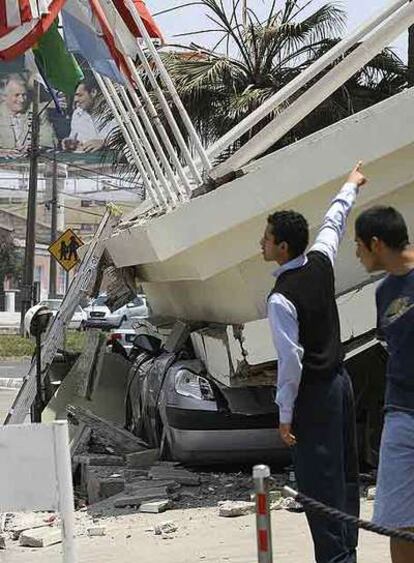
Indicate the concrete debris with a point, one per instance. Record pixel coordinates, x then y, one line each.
231 509
165 528
139 485
101 460
109 433
371 492
181 476
291 505
19 522
40 537
145 458
110 487
155 507
96 531
277 504
137 498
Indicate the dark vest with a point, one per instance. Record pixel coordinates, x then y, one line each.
311 289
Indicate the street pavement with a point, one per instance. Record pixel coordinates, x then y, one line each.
202 536
14 368
9 320
11 371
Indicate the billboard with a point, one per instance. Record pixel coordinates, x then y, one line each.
69 124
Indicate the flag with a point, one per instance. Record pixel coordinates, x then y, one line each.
140 7
23 22
122 38
59 67
119 56
83 35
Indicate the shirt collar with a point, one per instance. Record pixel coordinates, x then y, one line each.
297 262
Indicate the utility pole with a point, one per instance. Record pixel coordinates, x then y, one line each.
30 250
53 227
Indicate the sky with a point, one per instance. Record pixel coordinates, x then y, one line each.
193 18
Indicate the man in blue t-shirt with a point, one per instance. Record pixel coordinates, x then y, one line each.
382 241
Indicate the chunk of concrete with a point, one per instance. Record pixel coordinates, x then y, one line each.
145 458
165 528
96 531
145 484
101 460
137 498
40 537
155 507
26 521
181 476
372 491
110 487
231 509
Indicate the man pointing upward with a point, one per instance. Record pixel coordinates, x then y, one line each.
314 393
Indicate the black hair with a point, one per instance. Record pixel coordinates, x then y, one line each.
386 224
89 83
290 227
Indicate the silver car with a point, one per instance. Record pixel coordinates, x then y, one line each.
137 308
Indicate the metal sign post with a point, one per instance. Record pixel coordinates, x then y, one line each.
261 474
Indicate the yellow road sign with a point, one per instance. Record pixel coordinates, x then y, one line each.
65 249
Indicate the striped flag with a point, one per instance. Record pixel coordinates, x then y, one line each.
117 55
23 22
140 7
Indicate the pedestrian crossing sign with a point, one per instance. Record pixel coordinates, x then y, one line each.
65 249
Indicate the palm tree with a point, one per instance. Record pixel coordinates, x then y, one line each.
254 59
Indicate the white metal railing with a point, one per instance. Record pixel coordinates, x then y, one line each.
383 27
169 172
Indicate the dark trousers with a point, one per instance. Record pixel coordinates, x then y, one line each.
326 463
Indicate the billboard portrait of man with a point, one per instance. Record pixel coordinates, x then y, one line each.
87 132
16 115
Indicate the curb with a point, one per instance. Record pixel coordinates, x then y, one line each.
11 382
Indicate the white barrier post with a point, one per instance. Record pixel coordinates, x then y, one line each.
35 474
65 489
261 474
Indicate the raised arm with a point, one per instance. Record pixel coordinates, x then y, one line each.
333 228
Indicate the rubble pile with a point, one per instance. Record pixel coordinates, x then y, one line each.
115 471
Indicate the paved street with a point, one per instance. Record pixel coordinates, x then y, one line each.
202 536
9 320
14 368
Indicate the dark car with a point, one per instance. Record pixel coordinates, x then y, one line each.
174 404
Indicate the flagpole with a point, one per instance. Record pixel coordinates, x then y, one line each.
30 249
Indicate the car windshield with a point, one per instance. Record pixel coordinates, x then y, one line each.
100 300
138 301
